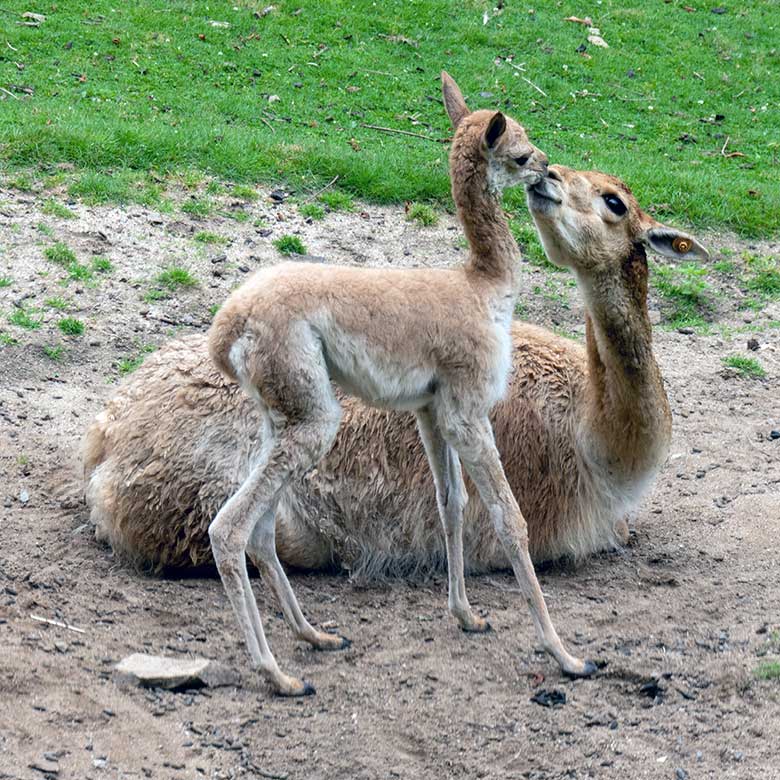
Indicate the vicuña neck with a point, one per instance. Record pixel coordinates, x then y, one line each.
493 251
629 410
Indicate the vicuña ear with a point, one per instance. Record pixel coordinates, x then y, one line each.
453 99
495 129
672 243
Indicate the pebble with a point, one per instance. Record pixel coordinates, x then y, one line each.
774 434
24 496
686 331
680 774
752 345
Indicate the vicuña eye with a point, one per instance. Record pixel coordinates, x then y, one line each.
615 205
521 161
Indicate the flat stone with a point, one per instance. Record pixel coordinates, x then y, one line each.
156 671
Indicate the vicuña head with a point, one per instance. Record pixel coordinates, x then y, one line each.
588 220
504 147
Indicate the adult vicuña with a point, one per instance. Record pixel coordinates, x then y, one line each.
434 341
581 431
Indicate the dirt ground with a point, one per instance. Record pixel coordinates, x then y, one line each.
681 619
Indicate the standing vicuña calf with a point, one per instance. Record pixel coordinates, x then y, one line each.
433 341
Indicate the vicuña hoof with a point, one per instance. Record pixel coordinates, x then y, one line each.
477 626
296 688
331 642
589 668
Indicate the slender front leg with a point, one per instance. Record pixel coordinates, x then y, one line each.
480 457
451 498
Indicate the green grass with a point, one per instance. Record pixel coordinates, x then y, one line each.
311 211
290 245
206 237
6 281
763 276
242 192
176 277
657 109
530 246
769 670
336 200
746 367
102 265
54 353
55 209
685 295
24 318
129 364
70 326
7 340
422 213
198 207
60 253
56 303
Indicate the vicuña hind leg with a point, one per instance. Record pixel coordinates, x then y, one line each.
451 498
477 449
307 416
262 552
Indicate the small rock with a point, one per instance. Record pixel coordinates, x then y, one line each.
551 698
153 671
699 756
45 767
278 196
680 774
753 345
24 497
686 331
774 434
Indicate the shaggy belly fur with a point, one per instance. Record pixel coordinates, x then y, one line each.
178 439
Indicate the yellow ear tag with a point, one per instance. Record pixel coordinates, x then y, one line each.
681 245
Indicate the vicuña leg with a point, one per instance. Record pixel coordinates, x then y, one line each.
476 447
262 552
451 498
307 418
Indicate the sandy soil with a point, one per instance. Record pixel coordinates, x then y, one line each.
680 618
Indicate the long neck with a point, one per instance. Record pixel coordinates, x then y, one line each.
628 408
493 250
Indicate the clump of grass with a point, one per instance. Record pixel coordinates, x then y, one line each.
197 207
207 237
745 366
56 303
242 192
94 187
213 309
102 265
156 294
60 253
530 246
42 227
175 277
7 340
129 364
237 215
215 187
769 670
685 293
53 352
336 200
79 272
70 326
290 245
422 213
22 182
23 318
764 276
724 267
311 211
6 281
56 209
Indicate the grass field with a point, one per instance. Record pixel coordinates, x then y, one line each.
130 93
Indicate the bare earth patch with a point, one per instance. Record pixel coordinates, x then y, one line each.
682 618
